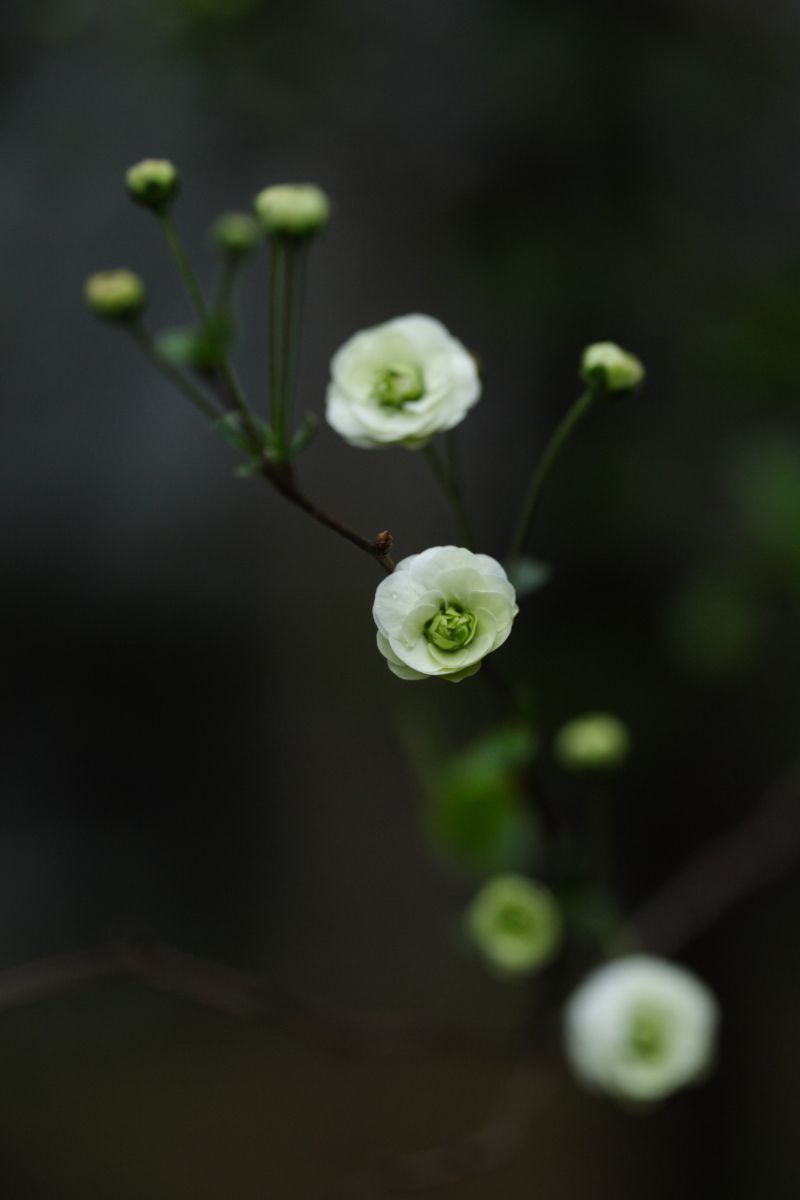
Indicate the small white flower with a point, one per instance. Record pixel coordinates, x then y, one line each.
400 383
441 612
640 1027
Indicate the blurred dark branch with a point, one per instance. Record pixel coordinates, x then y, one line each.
726 870
54 976
703 890
528 1091
243 994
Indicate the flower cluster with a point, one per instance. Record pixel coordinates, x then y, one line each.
637 1028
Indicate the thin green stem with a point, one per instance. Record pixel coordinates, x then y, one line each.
293 321
554 447
186 385
446 472
193 287
185 268
277 306
227 282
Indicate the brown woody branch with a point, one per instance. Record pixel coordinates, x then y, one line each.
282 477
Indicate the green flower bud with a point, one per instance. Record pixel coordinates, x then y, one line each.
606 367
236 234
292 209
115 295
516 924
153 182
594 742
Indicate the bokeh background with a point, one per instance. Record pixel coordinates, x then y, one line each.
200 742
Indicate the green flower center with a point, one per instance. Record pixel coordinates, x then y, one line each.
398 384
648 1036
452 628
515 921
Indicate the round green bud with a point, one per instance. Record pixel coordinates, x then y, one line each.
115 295
593 742
153 182
293 209
606 367
236 233
515 924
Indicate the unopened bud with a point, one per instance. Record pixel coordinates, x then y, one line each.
236 234
606 367
594 742
292 209
153 182
115 295
515 923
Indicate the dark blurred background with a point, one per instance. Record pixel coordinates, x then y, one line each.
201 743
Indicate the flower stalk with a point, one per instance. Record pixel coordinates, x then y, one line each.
226 372
175 376
533 497
445 469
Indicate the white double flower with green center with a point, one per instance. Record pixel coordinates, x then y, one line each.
441 612
400 383
640 1028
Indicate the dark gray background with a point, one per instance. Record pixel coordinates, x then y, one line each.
201 742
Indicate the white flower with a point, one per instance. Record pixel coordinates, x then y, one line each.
400 383
441 612
515 923
639 1028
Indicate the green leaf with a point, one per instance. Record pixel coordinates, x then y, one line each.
528 575
202 349
232 429
247 470
477 813
303 435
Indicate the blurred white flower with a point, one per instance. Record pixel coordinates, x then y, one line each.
441 612
515 923
400 383
639 1028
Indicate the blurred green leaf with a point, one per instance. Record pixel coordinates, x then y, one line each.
231 429
764 477
713 623
201 349
303 435
528 575
477 812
